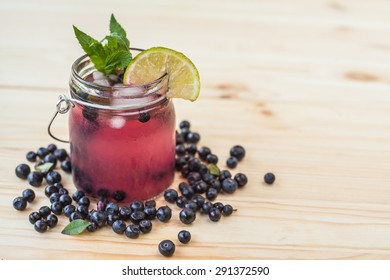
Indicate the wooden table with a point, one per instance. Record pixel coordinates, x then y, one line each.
303 85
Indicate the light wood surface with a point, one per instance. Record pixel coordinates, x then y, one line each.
303 85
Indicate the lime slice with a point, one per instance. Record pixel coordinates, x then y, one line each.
153 63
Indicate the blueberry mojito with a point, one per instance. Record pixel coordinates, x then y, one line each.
122 124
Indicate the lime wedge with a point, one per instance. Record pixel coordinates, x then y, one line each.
153 63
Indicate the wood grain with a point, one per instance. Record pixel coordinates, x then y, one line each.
303 85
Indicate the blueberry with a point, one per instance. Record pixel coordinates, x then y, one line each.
83 210
150 212
60 154
191 149
137 205
211 194
98 217
145 226
180 139
77 195
224 174
188 192
69 209
232 162
40 226
208 177
211 158
218 205
34 216
31 156
119 195
171 195
66 166
92 227
227 210
62 191
184 236
194 164
112 208
111 218
45 211
179 163
84 201
132 231
229 185
137 216
144 117
35 178
193 137
53 177
180 150
119 226
124 213
191 205
20 203
206 206
90 114
184 170
75 216
203 152
185 124
51 220
150 203
214 214
50 158
193 177
52 148
56 208
54 197
164 214
187 216
241 179
102 204
181 201
216 184
29 195
103 193
42 152
238 152
65 199
166 248
50 189
200 187
22 171
198 199
269 178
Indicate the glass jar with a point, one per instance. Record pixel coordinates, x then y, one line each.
122 138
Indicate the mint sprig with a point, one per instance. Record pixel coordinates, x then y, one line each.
110 54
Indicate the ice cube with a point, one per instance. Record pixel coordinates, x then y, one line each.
98 75
117 122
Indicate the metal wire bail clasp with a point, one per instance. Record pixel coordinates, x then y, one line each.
63 106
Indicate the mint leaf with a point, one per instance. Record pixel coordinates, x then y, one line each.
213 169
93 48
75 227
118 60
112 53
117 30
44 167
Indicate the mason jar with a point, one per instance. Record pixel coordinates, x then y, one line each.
122 138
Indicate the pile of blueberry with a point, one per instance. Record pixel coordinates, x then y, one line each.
204 181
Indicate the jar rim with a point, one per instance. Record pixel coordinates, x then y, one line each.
139 93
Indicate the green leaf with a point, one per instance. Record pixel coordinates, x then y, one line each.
119 60
75 227
213 169
93 48
44 167
117 29
110 54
